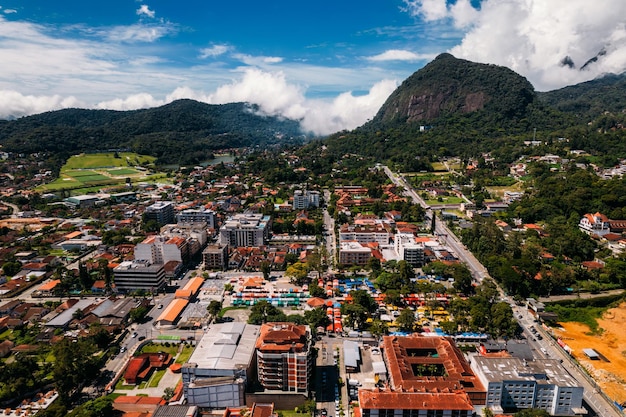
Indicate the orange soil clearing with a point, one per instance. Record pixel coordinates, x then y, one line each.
611 343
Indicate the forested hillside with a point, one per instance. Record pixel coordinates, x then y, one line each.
184 131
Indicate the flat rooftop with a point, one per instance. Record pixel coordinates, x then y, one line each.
226 346
516 369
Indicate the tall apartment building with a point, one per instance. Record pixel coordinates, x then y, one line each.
160 249
139 276
409 249
305 199
284 357
215 257
194 233
245 229
201 215
161 211
514 383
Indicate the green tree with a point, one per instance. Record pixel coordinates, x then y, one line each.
315 290
378 328
214 308
317 317
264 312
298 273
406 320
363 299
74 365
100 407
266 269
355 316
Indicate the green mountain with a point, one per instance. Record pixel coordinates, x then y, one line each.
449 86
452 107
590 99
184 131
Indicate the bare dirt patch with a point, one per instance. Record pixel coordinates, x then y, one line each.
610 343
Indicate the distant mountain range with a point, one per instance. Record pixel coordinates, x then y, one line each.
465 107
184 131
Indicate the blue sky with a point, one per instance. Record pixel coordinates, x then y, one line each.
329 63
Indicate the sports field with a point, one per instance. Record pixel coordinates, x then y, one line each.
89 172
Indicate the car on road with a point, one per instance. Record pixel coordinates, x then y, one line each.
123 349
134 334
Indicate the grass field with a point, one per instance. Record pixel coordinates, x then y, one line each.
107 160
89 172
122 171
445 200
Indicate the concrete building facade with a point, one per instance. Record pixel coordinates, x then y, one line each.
246 230
139 275
284 357
219 369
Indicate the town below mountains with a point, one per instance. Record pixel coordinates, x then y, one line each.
460 254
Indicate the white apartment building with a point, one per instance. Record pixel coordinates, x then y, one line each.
201 215
161 211
160 249
514 383
246 230
365 234
408 249
139 275
305 199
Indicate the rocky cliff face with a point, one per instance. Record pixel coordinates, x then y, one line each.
449 86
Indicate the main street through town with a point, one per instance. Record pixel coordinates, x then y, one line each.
546 346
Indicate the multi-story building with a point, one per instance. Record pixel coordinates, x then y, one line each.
197 216
303 200
139 275
221 366
354 253
514 383
162 212
409 249
427 376
215 257
284 357
160 249
245 229
365 233
195 234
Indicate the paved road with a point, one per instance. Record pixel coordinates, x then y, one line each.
592 393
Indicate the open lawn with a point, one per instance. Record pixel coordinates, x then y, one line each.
610 341
122 171
107 160
90 172
445 200
499 190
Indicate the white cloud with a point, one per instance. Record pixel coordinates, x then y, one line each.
272 59
533 37
275 96
255 61
144 10
346 111
9 11
139 32
14 104
213 51
398 55
427 9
